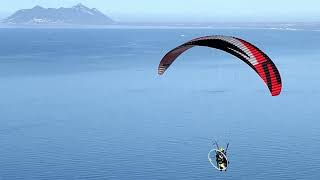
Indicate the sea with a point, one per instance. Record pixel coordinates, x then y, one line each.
88 104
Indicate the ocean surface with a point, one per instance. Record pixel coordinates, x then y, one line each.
88 104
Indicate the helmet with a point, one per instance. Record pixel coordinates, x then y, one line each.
221 149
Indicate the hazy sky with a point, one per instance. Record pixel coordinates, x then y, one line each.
186 10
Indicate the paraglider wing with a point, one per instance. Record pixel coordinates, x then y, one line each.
242 49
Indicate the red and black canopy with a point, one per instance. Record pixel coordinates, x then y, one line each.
242 49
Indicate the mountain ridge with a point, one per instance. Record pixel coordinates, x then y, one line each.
76 15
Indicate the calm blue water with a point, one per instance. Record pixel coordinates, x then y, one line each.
88 104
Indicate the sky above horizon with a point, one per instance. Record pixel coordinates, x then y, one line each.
186 11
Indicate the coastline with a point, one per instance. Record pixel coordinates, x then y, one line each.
278 27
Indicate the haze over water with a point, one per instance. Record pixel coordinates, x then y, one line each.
88 104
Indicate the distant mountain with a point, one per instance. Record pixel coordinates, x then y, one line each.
76 15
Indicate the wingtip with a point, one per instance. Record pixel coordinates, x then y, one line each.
160 73
161 70
276 93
